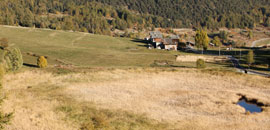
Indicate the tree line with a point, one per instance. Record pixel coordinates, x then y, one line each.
103 16
93 17
209 13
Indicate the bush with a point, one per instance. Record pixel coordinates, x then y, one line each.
42 62
2 72
250 58
4 43
161 63
4 118
200 63
12 59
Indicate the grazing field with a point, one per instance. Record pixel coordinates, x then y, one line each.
83 49
117 83
261 57
134 99
88 50
262 42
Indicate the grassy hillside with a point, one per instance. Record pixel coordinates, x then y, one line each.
135 99
88 50
102 16
83 49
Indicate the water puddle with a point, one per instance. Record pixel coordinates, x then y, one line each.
250 106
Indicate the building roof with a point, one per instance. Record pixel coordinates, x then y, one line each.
192 43
174 37
169 41
156 34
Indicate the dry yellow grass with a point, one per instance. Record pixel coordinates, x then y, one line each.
188 99
32 112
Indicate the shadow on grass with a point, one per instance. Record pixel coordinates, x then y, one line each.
213 35
256 68
181 66
30 65
261 57
144 42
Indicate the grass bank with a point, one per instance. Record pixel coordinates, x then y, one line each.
138 98
83 49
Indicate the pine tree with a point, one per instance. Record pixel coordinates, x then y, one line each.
217 43
250 58
224 36
68 23
250 34
269 63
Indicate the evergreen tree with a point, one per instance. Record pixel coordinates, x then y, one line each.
68 24
92 14
267 23
224 36
269 63
27 18
217 43
250 34
250 58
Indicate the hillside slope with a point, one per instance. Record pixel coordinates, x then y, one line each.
82 49
103 16
210 13
148 99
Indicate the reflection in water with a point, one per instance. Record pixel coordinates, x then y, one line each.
249 106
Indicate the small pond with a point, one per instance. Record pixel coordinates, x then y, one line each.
249 106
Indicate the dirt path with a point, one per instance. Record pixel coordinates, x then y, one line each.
78 38
255 42
237 65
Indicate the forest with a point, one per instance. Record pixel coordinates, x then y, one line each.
104 16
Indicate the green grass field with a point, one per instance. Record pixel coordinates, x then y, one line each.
87 50
261 57
82 49
60 100
263 42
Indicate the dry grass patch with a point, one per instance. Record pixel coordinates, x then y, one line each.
189 99
135 99
32 111
38 101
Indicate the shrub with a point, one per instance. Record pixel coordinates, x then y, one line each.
4 43
250 58
162 63
12 59
268 63
4 118
2 72
200 63
42 62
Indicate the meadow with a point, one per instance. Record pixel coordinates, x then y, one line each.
263 42
112 83
149 99
83 49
